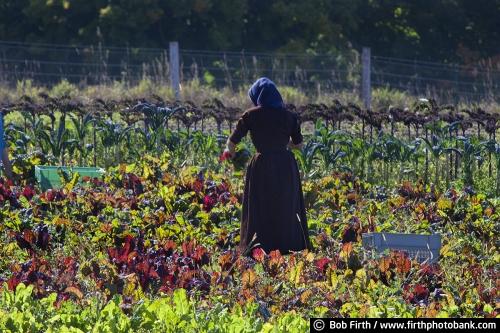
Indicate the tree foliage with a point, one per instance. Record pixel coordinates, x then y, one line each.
443 30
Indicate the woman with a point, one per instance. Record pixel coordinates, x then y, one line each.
4 153
273 204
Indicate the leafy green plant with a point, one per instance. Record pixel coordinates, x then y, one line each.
471 154
307 158
494 148
113 135
58 141
437 146
81 125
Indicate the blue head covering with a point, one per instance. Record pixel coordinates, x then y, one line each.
264 93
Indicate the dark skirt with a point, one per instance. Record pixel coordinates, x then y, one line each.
273 204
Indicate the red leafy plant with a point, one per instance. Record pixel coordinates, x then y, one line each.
273 262
208 192
132 182
28 192
32 240
53 195
94 181
6 194
214 194
418 294
163 268
322 264
47 279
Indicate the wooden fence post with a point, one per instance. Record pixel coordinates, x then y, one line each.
174 68
366 92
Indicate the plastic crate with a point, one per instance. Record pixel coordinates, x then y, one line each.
420 247
48 177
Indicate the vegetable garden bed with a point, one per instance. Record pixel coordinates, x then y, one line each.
151 245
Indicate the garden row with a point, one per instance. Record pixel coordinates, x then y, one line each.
152 246
431 143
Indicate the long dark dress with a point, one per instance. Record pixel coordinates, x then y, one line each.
273 203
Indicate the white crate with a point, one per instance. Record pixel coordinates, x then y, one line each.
423 248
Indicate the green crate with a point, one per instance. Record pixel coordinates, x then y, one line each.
48 177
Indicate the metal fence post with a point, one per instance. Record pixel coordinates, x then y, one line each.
174 68
366 92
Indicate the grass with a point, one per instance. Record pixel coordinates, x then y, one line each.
197 92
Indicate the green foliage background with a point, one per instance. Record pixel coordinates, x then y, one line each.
439 30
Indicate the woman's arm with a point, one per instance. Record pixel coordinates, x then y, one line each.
296 137
239 132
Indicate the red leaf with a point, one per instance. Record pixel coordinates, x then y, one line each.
209 202
200 255
225 156
188 248
23 243
197 185
142 267
322 264
225 260
259 254
421 292
28 192
153 274
13 282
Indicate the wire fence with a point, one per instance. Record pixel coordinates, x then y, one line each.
453 82
49 63
308 72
